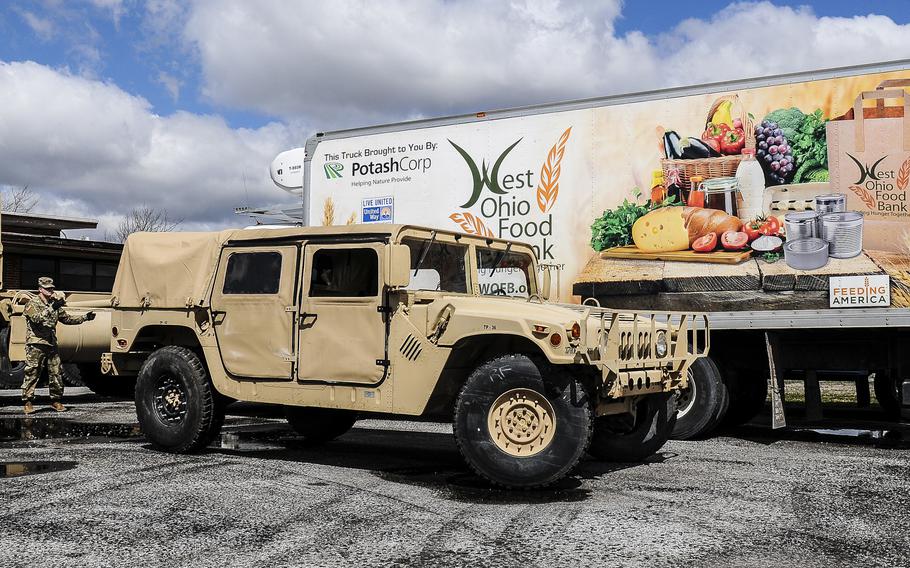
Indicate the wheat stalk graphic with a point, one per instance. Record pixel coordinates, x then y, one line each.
471 224
864 195
548 189
328 212
903 175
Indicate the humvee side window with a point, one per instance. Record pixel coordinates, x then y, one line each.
345 273
443 267
253 273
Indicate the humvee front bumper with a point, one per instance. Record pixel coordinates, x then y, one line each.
640 352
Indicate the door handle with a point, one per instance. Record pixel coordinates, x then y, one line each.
302 320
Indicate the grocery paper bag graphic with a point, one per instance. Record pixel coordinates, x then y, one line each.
869 161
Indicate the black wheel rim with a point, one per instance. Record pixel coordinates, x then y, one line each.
170 399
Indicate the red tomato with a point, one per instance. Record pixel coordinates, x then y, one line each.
706 243
734 240
752 230
771 226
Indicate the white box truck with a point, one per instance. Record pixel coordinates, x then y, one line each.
822 288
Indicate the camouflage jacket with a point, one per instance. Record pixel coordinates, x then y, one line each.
41 322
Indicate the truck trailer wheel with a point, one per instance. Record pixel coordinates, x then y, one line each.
703 403
887 393
627 438
175 401
748 394
519 423
319 424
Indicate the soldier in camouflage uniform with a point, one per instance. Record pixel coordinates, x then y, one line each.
41 315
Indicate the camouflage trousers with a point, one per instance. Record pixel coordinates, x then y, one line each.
37 357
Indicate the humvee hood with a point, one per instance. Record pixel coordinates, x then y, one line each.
513 308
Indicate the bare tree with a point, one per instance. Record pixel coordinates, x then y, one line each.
144 219
20 200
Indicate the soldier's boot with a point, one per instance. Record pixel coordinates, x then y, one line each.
29 408
58 406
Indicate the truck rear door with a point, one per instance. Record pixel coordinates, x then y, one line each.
342 330
255 310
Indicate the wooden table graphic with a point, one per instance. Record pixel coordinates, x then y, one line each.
750 285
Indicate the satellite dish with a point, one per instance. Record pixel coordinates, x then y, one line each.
286 170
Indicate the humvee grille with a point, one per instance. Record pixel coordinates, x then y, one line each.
411 348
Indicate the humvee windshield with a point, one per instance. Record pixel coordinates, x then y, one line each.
503 272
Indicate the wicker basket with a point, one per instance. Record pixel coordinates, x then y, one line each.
724 166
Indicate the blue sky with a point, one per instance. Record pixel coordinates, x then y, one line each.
160 102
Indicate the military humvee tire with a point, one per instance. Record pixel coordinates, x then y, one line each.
887 393
175 401
620 438
12 373
701 405
319 424
522 424
103 385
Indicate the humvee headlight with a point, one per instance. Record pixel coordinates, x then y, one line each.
575 331
555 340
660 346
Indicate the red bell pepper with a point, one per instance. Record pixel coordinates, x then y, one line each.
733 141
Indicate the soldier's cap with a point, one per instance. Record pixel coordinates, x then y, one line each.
46 282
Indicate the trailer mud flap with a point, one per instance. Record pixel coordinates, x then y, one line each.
775 382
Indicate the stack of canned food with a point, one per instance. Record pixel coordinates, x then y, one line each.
829 231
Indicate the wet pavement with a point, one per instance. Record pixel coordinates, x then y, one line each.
83 489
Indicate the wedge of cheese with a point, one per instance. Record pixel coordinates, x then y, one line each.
661 230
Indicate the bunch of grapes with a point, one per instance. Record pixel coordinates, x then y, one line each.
773 152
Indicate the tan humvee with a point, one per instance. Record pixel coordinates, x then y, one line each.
332 322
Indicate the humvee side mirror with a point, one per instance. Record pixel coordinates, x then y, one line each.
397 273
546 288
545 282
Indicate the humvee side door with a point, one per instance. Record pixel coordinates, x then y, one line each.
254 308
342 332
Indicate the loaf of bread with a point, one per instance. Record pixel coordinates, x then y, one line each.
676 228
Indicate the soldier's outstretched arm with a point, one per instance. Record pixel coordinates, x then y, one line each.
69 319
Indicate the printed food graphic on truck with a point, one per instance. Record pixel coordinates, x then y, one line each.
766 180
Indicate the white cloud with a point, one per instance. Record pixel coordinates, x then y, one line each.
171 84
115 7
43 27
357 61
361 60
90 148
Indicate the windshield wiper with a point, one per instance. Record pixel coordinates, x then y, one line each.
423 252
499 258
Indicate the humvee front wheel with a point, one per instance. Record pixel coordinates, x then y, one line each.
175 401
628 438
520 423
319 424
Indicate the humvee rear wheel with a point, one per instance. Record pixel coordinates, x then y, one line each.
319 424
175 401
521 423
628 438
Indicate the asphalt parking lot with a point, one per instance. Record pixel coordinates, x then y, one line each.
84 489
